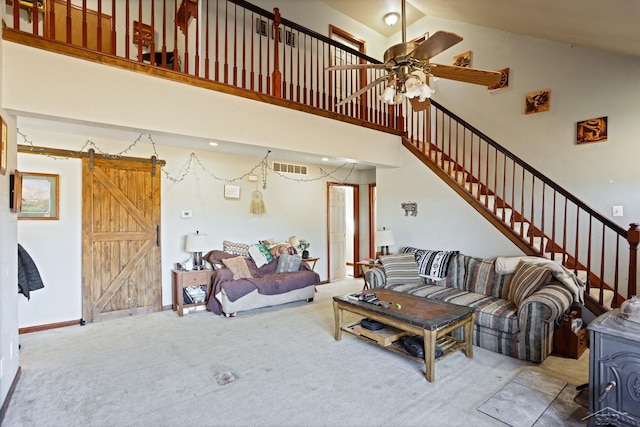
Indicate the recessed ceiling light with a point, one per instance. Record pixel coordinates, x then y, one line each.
213 144
391 18
325 159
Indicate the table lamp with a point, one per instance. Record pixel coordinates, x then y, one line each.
197 243
384 239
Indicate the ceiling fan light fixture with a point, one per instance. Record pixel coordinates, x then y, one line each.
388 96
413 87
391 18
425 92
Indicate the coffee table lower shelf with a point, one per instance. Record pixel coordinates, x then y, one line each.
447 344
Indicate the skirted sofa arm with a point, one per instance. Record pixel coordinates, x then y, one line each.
375 277
538 315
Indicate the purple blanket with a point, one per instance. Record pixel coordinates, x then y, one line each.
265 280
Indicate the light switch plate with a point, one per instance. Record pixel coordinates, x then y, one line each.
616 210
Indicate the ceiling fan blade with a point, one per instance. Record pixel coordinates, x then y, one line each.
438 42
418 105
465 74
355 66
362 90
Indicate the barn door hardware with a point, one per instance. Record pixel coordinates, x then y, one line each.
92 154
154 160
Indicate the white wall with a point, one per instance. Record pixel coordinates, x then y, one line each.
444 221
84 91
9 358
54 245
584 83
295 206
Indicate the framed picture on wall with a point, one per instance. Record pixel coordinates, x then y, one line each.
231 191
3 146
36 195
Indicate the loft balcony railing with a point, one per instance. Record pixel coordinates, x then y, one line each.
232 45
228 42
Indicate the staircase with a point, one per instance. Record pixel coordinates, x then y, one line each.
535 213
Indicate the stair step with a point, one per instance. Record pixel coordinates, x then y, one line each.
582 276
507 214
459 176
557 257
540 242
472 187
607 296
521 225
487 200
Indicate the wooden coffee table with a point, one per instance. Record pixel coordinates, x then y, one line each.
431 319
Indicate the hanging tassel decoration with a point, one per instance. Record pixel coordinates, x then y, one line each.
257 204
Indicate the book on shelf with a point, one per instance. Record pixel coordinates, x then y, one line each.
186 297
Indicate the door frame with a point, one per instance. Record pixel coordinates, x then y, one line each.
333 30
356 224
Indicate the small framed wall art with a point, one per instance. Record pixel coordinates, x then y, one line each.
592 130
231 191
538 101
463 59
36 195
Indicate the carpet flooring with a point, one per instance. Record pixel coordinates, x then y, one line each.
277 366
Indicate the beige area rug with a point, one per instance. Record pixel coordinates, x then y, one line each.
272 367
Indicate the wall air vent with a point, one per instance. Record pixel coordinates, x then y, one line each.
290 168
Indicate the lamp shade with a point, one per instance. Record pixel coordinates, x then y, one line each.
196 243
385 237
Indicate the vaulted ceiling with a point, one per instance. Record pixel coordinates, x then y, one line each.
610 25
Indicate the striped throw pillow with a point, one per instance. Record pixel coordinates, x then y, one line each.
400 269
527 279
433 264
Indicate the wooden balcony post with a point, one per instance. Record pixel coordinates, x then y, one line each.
276 76
633 236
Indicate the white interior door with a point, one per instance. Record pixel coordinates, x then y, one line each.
337 233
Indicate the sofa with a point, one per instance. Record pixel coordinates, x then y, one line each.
241 282
518 300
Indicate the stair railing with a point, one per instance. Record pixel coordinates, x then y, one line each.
539 212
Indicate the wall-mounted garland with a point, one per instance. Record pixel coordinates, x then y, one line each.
193 162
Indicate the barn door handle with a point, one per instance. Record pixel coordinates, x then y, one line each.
157 235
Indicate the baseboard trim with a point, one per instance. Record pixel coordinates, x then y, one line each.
7 400
50 326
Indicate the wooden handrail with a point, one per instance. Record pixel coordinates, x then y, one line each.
548 181
543 216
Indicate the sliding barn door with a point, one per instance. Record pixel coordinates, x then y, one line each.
121 269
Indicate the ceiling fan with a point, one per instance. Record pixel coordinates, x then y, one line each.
408 69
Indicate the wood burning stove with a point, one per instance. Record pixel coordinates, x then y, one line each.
614 371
